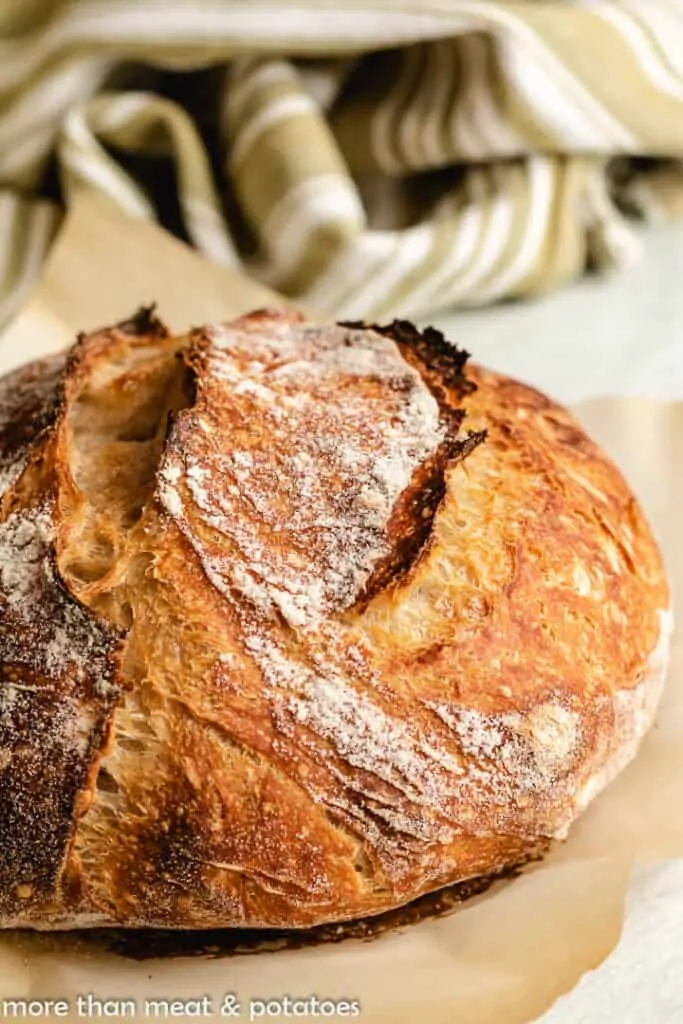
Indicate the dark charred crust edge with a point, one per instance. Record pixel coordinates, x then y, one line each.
144 322
440 362
441 366
413 516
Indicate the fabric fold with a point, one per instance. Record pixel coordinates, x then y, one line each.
366 159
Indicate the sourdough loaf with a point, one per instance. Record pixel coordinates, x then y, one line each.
298 623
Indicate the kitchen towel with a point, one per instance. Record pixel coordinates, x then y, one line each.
384 158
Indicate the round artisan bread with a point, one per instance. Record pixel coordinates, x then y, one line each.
298 623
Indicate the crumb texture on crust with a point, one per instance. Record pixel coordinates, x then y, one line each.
303 647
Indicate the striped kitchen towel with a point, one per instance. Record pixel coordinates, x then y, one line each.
375 158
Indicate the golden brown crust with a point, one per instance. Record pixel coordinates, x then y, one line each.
57 691
366 655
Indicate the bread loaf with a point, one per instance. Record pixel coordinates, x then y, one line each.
298 623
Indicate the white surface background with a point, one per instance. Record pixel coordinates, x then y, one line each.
642 981
623 336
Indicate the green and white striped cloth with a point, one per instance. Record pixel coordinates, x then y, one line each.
374 158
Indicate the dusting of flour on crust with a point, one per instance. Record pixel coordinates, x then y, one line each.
40 626
531 748
284 477
304 502
57 687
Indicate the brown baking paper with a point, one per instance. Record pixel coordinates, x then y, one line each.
501 958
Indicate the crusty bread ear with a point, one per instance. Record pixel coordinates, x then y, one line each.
283 642
121 387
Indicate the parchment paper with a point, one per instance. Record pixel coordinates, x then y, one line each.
502 958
